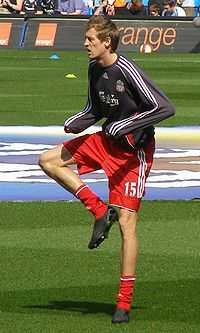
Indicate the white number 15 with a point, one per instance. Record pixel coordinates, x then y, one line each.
130 189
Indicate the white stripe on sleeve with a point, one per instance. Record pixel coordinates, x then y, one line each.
125 65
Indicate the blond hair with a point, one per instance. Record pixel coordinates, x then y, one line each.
105 28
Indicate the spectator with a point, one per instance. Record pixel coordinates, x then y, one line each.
29 7
159 3
102 9
155 9
188 6
72 7
136 8
13 6
45 7
145 3
90 7
112 7
119 6
3 7
172 9
197 8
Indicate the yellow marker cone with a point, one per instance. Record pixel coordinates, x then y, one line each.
70 76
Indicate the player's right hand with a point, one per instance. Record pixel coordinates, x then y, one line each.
66 129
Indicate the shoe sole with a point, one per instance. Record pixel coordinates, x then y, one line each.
112 218
122 321
120 317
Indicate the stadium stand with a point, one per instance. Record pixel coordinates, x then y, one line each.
128 8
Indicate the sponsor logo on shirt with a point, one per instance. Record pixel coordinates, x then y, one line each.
109 99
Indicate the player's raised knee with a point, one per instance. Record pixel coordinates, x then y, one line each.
44 161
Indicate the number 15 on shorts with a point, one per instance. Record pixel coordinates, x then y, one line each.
130 189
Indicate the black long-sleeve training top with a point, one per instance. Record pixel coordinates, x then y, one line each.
123 95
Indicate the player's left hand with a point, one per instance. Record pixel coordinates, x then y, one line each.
131 140
136 139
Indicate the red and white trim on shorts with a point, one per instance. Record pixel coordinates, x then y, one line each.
142 173
132 210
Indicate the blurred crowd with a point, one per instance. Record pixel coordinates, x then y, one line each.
128 8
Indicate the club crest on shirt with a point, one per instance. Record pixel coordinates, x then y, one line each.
120 86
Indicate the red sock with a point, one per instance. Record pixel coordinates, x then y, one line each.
91 201
126 288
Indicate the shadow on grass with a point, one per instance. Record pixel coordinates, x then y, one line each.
172 301
83 307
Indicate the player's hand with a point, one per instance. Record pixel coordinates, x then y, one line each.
131 140
72 130
67 130
124 139
136 139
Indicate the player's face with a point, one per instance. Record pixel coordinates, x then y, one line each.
96 49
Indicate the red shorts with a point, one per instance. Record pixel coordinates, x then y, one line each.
126 171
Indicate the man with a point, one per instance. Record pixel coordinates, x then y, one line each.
154 9
71 7
137 8
116 7
172 9
190 6
120 92
13 6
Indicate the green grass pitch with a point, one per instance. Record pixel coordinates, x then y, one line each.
51 282
34 90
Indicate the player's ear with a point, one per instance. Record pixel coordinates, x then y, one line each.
107 42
